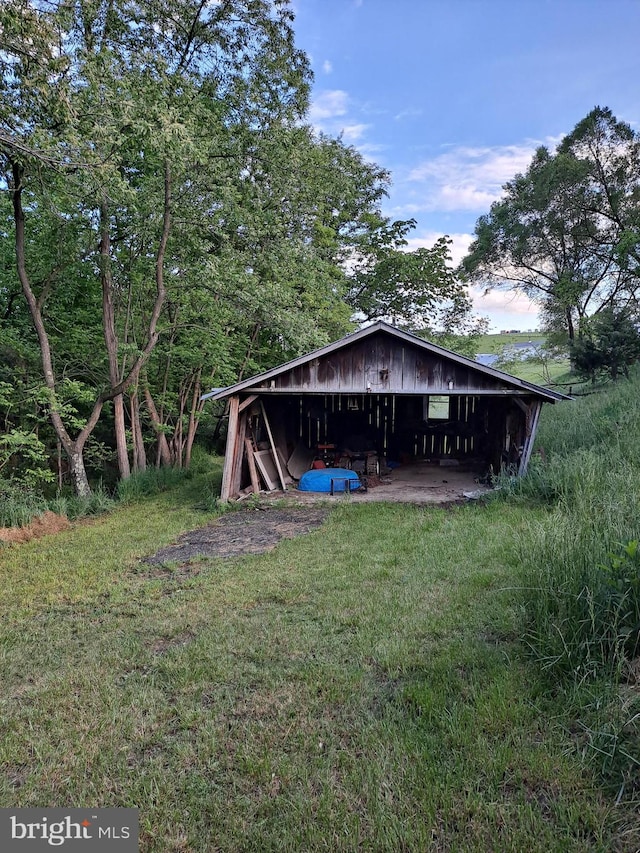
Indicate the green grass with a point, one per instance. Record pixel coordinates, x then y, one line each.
495 343
530 369
358 688
580 571
533 371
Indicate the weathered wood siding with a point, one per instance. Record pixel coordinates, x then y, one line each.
382 366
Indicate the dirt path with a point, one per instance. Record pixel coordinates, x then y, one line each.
245 531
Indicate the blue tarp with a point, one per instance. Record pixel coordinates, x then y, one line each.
319 480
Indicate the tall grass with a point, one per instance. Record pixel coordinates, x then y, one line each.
580 567
153 481
20 503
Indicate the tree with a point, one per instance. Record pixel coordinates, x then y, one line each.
566 232
608 343
109 112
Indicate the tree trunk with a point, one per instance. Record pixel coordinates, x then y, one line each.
139 453
570 327
194 418
164 454
111 340
121 437
78 472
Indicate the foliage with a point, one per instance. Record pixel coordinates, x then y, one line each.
23 457
608 343
566 231
388 282
100 207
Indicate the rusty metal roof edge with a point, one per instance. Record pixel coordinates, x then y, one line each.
409 337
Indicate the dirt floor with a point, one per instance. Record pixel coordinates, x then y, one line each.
415 483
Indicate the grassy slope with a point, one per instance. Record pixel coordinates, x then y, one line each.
529 370
357 688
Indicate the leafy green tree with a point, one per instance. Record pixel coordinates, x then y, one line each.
110 111
565 232
608 343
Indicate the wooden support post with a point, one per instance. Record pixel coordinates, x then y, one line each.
532 426
253 471
229 455
274 449
236 475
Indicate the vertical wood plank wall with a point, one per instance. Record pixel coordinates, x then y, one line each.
230 452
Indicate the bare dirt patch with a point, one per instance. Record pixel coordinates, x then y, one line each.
42 525
245 531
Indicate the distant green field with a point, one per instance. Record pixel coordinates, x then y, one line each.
529 369
495 343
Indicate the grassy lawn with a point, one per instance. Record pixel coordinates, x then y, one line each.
530 370
357 688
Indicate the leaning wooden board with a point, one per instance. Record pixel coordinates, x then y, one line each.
267 468
300 461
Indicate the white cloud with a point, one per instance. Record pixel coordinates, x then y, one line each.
503 300
353 132
467 178
411 112
504 308
327 67
459 243
332 112
328 105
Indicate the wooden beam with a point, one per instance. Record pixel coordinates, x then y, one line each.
274 449
253 472
236 475
248 402
229 454
534 411
264 461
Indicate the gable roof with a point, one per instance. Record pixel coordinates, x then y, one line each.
257 382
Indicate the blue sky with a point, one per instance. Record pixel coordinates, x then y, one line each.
453 97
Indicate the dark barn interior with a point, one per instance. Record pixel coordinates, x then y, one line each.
478 431
379 397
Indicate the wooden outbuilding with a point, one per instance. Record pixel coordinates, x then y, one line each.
377 394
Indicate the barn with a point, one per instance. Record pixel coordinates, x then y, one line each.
379 397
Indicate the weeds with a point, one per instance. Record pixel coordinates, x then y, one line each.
74 507
19 503
153 481
580 566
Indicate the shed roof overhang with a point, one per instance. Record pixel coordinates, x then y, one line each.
264 383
